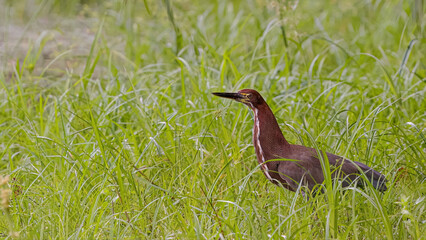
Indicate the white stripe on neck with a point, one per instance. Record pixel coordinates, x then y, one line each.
259 146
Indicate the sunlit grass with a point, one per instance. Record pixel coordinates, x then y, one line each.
109 130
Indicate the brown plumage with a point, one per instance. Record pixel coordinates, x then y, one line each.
296 164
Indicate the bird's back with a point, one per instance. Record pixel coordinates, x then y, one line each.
301 164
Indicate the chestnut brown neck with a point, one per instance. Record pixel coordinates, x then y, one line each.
267 136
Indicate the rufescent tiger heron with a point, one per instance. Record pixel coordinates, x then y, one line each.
292 165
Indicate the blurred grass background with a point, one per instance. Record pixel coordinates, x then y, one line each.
109 130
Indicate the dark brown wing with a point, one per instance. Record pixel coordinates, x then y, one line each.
307 170
352 170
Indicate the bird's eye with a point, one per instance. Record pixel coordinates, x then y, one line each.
249 95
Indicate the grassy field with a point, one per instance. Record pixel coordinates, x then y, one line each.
108 129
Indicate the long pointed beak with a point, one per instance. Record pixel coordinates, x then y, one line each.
235 96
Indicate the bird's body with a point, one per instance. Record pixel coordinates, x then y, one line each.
292 165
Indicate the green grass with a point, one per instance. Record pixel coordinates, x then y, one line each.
108 129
